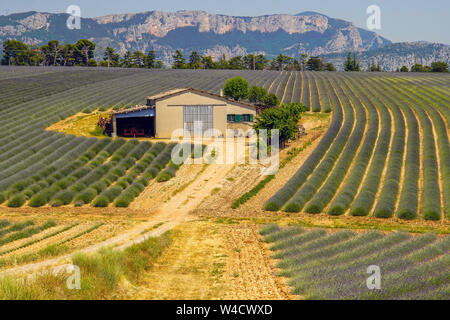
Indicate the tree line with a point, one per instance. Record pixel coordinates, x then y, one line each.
79 54
82 53
251 62
438 66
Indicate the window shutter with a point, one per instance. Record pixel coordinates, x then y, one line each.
251 118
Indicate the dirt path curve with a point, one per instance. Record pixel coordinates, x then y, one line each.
208 260
168 215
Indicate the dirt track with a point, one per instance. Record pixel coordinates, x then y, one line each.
212 261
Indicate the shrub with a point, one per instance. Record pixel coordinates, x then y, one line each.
117 172
271 206
100 202
143 181
123 201
78 187
151 173
112 193
17 201
313 208
129 178
268 229
2 198
99 186
383 213
292 207
359 211
66 182
40 199
21 185
163 177
87 196
407 214
122 183
65 197
336 210
56 203
27 192
431 215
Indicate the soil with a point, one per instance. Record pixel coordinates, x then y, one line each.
212 261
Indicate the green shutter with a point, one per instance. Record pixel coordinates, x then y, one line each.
239 118
251 118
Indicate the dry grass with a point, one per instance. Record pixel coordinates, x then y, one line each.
80 124
103 274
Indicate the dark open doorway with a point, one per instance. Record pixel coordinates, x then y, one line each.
136 127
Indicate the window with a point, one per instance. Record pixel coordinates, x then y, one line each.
198 119
240 118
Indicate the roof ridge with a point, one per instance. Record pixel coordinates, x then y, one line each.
174 92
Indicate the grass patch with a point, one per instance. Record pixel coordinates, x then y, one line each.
102 273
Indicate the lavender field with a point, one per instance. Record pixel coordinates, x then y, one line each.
324 264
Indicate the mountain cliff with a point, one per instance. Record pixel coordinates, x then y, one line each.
210 34
393 56
216 35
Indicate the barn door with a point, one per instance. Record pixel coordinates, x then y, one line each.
198 119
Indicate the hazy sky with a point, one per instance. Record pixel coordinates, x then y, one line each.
401 20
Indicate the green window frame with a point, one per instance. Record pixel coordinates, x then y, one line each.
240 117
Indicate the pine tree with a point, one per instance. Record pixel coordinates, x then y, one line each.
179 60
150 60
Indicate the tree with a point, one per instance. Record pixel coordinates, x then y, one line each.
329 67
52 53
351 64
179 60
127 60
15 53
138 59
375 68
195 60
236 63
92 63
258 95
35 56
356 65
84 51
150 61
111 58
284 118
68 55
404 69
236 88
250 62
314 64
418 68
272 100
261 62
303 58
208 63
223 63
439 66
283 61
